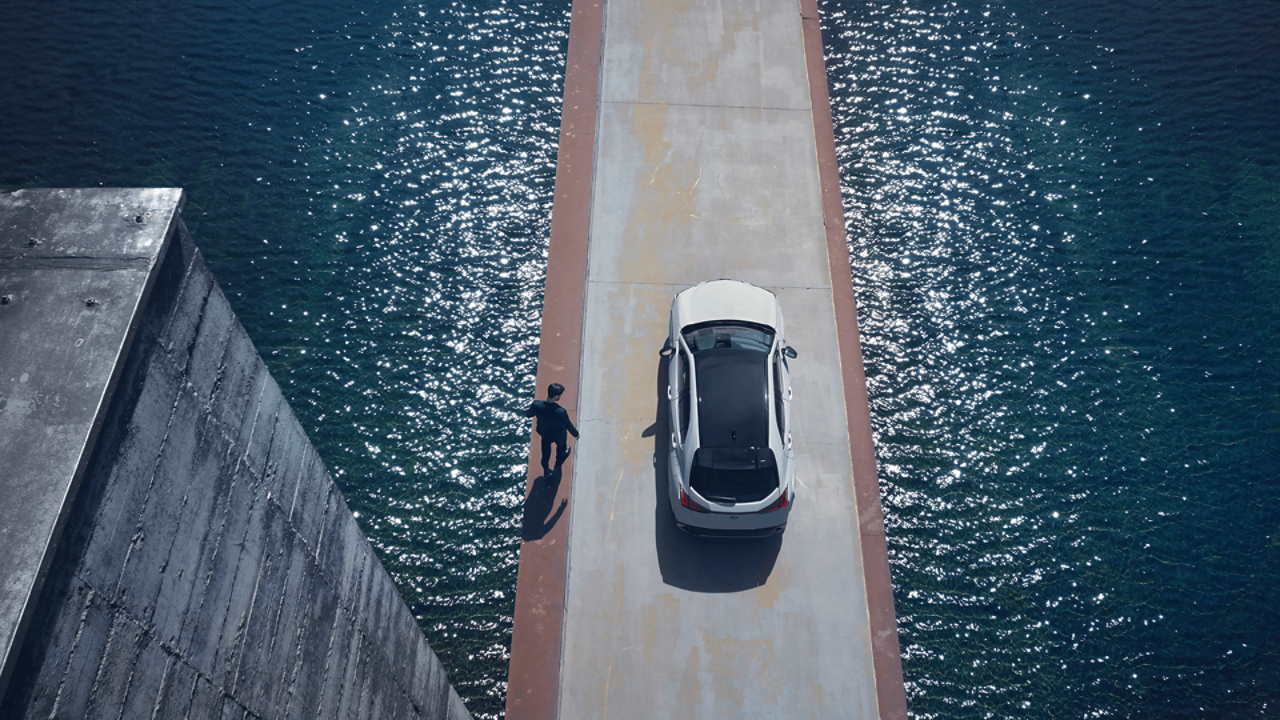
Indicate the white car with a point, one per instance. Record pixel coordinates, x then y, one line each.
731 464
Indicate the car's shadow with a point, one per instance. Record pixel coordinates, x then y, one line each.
711 565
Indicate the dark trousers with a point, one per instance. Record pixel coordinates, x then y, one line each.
562 448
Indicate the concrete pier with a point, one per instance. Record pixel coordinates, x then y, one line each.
696 144
173 546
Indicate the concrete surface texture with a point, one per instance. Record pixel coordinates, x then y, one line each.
705 168
74 266
209 567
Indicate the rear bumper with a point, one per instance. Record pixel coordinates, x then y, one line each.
715 524
733 532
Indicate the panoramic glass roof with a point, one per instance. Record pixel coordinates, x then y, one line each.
733 398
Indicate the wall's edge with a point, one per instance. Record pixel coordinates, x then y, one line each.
210 566
886 656
533 682
29 246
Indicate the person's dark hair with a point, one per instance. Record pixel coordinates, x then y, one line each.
555 390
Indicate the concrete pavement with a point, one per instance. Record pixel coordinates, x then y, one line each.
706 165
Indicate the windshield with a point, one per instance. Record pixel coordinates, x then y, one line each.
716 336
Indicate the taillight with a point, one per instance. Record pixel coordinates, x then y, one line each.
779 504
688 502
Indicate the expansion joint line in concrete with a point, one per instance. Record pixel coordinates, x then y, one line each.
768 108
821 288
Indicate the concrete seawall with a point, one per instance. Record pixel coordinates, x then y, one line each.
174 546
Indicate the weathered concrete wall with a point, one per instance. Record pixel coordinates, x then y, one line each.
209 566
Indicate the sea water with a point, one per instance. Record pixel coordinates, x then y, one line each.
1065 227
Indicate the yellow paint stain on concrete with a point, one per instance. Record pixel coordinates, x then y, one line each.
690 692
816 702
633 364
619 595
608 678
613 508
742 667
767 594
663 200
661 613
658 20
594 656
666 39
648 125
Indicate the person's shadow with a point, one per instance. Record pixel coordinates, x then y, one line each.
710 565
538 518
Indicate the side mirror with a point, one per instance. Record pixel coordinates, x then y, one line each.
667 350
790 352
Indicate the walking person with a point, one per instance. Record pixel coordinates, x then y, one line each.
554 426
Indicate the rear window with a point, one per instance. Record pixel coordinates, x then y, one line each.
734 486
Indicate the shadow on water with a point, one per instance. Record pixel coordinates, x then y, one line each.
538 516
709 565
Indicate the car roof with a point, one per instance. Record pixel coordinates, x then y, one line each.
733 398
726 300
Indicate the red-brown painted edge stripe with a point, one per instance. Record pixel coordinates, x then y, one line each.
533 680
890 693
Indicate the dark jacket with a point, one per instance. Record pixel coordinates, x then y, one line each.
553 420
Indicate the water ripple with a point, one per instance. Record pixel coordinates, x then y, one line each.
1063 225
372 186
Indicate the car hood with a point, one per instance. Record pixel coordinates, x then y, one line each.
726 300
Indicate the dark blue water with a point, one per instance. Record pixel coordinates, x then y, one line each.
1065 221
371 184
1065 224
